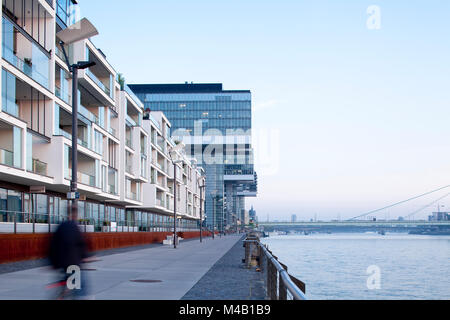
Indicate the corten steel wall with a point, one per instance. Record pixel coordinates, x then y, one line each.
21 247
195 234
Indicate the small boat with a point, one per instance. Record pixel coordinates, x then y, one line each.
382 232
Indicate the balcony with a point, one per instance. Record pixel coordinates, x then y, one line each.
88 115
160 203
113 132
155 122
134 97
132 196
30 60
83 178
112 181
86 179
130 121
63 95
6 157
10 145
129 169
97 81
39 167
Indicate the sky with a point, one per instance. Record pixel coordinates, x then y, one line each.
350 106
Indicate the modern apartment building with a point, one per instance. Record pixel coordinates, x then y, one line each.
215 125
125 175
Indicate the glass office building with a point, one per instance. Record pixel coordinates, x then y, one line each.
215 125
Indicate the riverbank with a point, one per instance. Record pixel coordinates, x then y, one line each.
228 279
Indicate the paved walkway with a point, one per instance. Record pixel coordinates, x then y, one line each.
178 270
228 279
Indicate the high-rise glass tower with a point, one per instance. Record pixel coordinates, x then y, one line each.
215 125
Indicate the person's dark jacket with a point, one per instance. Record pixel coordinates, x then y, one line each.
67 246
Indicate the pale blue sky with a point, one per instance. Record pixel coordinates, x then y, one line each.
362 115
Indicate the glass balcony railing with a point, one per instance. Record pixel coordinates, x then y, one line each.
155 122
89 115
132 196
63 95
129 168
98 82
6 157
68 135
130 121
112 189
36 66
39 167
26 67
134 97
113 131
86 179
83 178
129 143
160 202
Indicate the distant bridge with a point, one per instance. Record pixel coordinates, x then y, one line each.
356 223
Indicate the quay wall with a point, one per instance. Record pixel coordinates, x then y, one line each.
22 247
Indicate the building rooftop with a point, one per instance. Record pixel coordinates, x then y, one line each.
182 88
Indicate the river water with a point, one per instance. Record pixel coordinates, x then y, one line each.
335 266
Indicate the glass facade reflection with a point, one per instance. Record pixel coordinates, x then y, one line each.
208 110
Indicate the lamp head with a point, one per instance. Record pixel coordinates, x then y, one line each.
85 64
80 30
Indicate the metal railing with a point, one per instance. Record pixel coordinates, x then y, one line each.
278 283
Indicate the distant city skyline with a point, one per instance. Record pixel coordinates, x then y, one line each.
352 118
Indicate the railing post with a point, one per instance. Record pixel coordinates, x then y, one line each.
15 222
49 224
282 290
34 222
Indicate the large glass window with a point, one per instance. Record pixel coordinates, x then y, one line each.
41 208
3 205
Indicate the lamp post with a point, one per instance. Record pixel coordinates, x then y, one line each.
173 154
201 204
213 196
79 31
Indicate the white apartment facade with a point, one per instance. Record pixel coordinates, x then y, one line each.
125 175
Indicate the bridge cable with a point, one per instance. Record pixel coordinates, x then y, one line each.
428 205
398 203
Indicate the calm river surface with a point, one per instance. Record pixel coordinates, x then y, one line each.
334 266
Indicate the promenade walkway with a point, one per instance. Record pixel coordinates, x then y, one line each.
178 270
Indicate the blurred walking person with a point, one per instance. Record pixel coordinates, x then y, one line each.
68 249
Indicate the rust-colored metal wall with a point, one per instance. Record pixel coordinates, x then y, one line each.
21 247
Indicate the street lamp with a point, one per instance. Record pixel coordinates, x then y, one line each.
201 200
79 31
213 196
173 154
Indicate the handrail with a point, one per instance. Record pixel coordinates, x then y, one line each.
295 291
